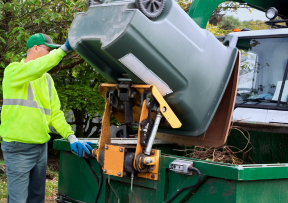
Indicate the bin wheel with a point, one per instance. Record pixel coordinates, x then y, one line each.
120 133
150 8
93 2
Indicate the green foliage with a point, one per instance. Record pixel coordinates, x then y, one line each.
219 22
75 80
218 14
233 6
185 5
78 91
3 186
20 19
215 30
254 25
81 97
229 23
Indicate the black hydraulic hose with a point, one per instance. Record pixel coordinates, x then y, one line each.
68 198
185 188
100 184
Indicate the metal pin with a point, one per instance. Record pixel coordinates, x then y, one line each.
148 161
132 177
113 188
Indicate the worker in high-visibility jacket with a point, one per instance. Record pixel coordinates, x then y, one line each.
30 105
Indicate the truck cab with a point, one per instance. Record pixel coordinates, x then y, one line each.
262 92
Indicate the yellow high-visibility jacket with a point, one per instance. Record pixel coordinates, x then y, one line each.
30 101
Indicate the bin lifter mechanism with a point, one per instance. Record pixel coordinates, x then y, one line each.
130 103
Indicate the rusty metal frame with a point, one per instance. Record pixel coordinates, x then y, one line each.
105 130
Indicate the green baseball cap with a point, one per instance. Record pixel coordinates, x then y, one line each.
39 39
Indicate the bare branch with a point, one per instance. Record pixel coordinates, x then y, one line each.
27 12
68 66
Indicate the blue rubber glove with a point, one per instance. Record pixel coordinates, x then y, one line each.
78 146
66 47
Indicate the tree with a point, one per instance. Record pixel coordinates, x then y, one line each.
75 80
185 5
229 23
255 25
218 14
215 30
79 93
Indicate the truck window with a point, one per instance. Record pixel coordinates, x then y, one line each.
263 64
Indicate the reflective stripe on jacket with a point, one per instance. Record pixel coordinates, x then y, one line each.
30 101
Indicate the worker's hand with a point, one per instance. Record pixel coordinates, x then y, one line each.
66 47
78 146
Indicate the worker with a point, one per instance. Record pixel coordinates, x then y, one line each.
30 105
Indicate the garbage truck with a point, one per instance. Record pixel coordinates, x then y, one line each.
179 85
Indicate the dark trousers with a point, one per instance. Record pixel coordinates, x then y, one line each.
26 171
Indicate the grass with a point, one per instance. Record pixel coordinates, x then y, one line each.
50 191
3 188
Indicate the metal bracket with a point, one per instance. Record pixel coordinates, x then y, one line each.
165 109
114 160
180 166
105 130
153 167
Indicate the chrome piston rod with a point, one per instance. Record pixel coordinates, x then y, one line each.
153 133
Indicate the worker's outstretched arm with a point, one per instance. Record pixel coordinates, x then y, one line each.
17 75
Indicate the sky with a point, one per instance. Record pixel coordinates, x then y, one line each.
244 14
